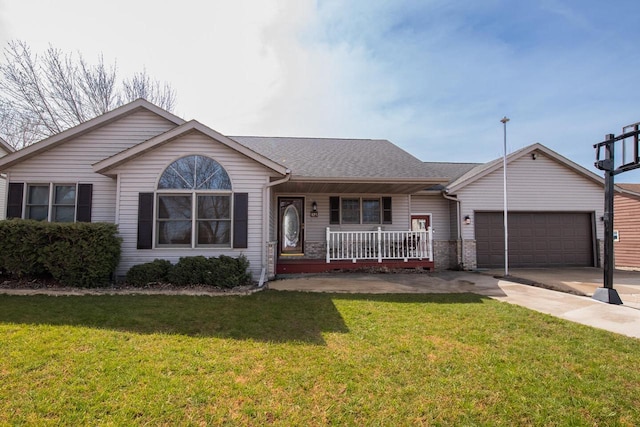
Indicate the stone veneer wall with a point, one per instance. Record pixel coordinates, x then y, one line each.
469 260
271 259
445 254
315 250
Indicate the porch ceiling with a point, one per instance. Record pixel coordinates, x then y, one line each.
373 187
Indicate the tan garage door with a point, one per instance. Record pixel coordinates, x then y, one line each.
536 239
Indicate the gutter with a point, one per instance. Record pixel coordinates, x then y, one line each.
266 203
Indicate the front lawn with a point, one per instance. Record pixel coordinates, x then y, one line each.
287 358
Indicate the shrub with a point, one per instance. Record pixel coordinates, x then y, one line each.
76 254
82 254
21 243
156 271
193 270
224 271
231 272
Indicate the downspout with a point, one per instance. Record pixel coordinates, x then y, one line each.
266 204
458 225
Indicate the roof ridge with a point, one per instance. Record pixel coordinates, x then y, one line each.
310 137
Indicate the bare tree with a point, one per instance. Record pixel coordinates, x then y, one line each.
44 95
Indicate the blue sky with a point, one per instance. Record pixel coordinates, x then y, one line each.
435 77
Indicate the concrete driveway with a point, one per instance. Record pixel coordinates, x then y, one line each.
578 280
564 293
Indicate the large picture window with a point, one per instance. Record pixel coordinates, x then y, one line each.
194 204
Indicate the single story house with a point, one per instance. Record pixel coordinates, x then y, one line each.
178 188
5 149
626 225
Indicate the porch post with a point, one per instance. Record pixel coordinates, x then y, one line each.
379 244
328 238
430 247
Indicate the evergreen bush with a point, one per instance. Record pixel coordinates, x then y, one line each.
76 254
156 271
223 271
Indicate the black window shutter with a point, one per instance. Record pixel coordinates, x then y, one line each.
14 201
386 210
145 221
85 195
334 210
240 220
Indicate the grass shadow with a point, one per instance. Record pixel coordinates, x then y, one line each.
264 316
453 298
269 316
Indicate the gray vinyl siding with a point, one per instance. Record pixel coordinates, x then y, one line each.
3 191
454 220
533 185
3 197
438 207
141 175
273 216
71 161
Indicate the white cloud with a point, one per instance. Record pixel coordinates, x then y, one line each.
435 77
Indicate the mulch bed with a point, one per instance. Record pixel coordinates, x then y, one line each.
48 285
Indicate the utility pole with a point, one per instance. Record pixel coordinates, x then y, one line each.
504 121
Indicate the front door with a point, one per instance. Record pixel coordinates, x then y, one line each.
421 223
291 225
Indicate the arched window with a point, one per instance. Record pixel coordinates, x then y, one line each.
195 173
194 204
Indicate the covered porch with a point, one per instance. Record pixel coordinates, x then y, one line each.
353 250
324 224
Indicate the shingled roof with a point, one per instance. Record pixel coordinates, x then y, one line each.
340 158
449 170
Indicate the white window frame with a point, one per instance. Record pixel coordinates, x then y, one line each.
194 218
361 200
51 201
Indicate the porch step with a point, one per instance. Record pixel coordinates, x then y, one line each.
296 266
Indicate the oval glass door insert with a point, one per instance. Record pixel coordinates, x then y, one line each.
291 227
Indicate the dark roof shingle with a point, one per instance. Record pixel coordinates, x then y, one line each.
339 158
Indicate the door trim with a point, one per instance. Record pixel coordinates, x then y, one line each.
301 230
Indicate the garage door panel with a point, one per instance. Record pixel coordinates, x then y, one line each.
536 239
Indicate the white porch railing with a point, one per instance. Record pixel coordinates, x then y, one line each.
379 245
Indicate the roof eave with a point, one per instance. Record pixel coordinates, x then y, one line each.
456 186
83 128
376 180
106 165
6 147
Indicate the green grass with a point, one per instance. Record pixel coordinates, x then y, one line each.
285 358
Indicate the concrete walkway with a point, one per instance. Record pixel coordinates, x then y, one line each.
622 319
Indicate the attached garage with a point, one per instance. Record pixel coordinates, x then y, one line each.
536 239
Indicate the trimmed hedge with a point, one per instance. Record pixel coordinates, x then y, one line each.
223 271
76 254
150 272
